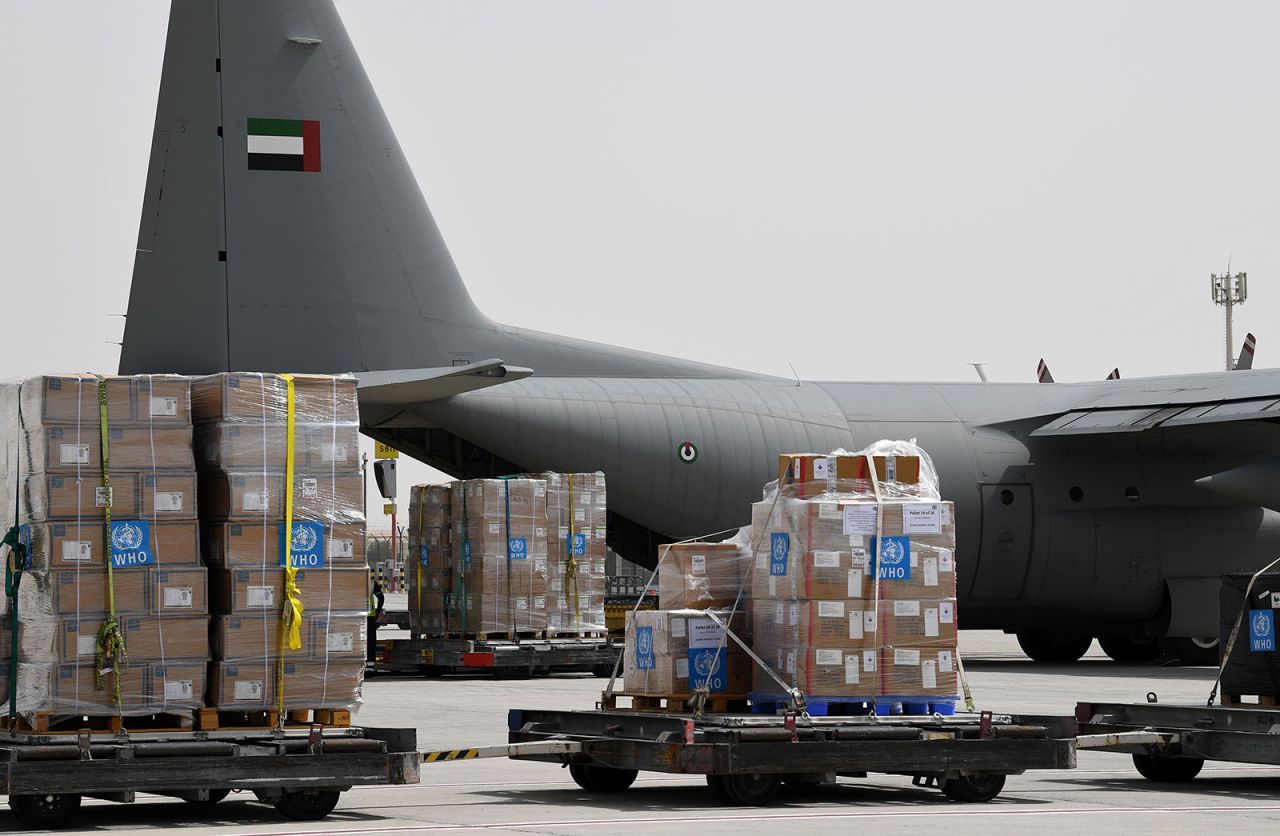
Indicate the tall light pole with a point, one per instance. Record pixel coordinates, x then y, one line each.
1229 290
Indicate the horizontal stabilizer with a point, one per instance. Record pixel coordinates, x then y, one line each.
414 386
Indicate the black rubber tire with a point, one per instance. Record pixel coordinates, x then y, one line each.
603 671
1168 770
1192 652
602 778
214 797
307 805
1130 649
49 811
973 789
746 789
1043 646
432 671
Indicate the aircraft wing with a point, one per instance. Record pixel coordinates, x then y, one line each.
413 386
1137 405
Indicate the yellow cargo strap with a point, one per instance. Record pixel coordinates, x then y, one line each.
422 495
109 654
571 565
291 615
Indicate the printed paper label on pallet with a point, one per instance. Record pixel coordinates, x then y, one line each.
860 520
922 518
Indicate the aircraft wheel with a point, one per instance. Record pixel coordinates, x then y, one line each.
1130 649
214 797
1193 651
746 789
1044 646
307 805
973 788
47 811
1168 770
602 778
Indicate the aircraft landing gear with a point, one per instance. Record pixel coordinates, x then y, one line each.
1046 646
1130 649
1193 651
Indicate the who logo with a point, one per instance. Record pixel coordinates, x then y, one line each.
306 545
1262 631
779 551
129 544
517 548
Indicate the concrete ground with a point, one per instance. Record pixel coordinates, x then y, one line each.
505 796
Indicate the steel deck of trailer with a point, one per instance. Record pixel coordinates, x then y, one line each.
1159 733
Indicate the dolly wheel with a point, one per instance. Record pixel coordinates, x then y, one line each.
307 805
48 811
973 788
602 778
746 789
214 797
1168 770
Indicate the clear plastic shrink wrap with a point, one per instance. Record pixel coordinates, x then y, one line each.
243 427
831 617
674 652
577 529
144 565
431 568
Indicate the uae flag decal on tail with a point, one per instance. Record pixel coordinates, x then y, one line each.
284 144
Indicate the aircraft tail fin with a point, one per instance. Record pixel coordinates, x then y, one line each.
1115 374
1043 374
282 227
1246 353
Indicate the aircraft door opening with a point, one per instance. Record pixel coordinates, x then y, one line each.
1005 553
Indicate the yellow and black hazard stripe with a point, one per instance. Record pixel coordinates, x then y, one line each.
450 755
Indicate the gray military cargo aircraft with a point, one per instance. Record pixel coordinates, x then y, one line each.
280 207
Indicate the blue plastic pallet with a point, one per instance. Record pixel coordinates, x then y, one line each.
764 703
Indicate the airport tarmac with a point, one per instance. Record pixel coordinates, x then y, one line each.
505 796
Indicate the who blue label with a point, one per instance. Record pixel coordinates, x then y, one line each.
517 548
306 546
893 558
578 544
779 551
24 537
422 557
708 668
1262 631
131 544
466 552
644 649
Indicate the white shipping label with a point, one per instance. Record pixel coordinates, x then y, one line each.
86 645
677 627
795 614
539 602
256 501
855 624
821 468
342 548
780 613
178 689
850 670
906 609
102 497
930 566
826 560
946 513
929 675
579 515
891 468
495 527
946 612
828 657
1275 600
906 656
682 668
859 556
339 642
855 583
248 689
773 585
178 597
868 660
539 488
584 498
921 518
364 633
333 453
791 661
539 566
564 532
539 532
831 609
762 563
860 519
168 500
915 558
705 633
945 561
868 622
310 488
73 453
944 661
522 604
74 551
698 564
164 407
260 597
931 622
828 511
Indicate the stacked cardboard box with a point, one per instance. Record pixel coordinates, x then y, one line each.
53 428
431 577
674 652
854 597
576 516
702 576
242 431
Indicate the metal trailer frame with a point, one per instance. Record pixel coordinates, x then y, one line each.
1170 743
521 658
747 757
301 771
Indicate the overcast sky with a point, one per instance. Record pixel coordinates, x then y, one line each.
871 191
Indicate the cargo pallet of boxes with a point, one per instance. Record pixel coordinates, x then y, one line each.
510 559
282 527
106 607
844 587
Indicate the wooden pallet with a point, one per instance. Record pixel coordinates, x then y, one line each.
510 636
210 719
44 722
674 703
566 633
1258 701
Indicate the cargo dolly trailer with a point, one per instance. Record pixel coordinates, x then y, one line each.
302 771
747 758
513 658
